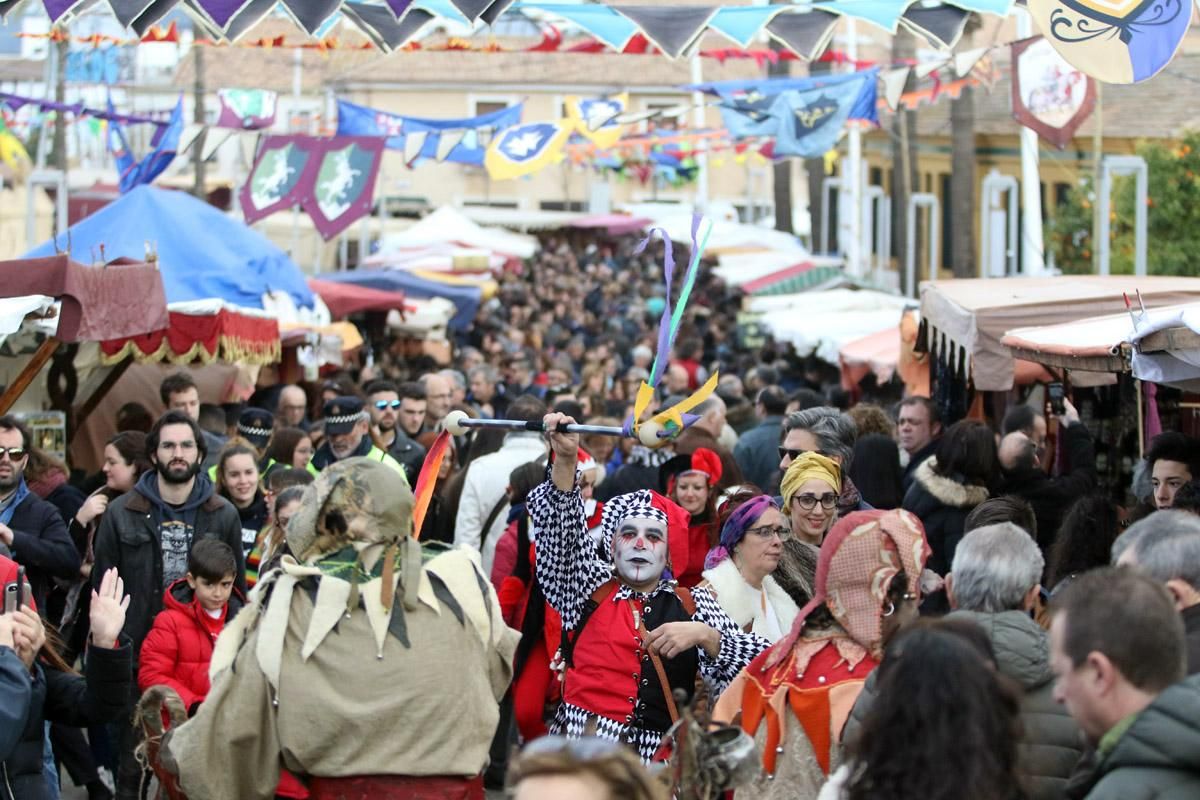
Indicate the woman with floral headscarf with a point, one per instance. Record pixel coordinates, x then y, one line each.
738 570
795 697
811 487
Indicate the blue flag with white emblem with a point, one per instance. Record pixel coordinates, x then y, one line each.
810 122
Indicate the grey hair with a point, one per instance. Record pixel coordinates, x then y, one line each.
835 432
708 404
455 377
489 373
1167 546
995 567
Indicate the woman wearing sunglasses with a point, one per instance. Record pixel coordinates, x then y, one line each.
738 570
811 487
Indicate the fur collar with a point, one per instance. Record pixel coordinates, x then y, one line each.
948 492
740 600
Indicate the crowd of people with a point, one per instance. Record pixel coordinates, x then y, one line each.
886 603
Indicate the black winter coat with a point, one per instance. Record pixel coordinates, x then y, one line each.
1051 497
942 505
71 700
129 539
42 545
15 693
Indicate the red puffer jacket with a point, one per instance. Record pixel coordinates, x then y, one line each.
179 647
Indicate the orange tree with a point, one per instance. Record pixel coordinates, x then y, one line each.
1173 216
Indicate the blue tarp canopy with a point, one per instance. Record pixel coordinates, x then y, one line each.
466 299
202 252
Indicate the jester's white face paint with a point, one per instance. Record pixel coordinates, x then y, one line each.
640 550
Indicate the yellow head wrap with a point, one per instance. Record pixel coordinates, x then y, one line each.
807 467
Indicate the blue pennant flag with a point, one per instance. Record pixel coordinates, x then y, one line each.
356 120
810 122
162 153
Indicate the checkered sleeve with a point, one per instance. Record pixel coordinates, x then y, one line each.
568 568
738 648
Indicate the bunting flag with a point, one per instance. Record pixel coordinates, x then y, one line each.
343 187
274 180
331 178
356 120
525 149
894 81
811 121
1049 95
1117 41
673 29
246 109
163 147
597 118
805 34
942 26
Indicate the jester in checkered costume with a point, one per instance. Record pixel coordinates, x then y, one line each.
628 627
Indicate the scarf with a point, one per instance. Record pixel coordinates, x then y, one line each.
45 485
14 500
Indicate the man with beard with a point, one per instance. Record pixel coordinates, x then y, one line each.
386 405
632 635
31 530
146 534
348 434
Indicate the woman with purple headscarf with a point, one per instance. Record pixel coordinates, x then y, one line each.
738 571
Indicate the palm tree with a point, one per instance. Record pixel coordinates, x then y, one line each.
904 130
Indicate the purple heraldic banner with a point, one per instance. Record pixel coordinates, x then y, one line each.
331 178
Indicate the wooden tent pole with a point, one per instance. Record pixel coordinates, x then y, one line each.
86 408
17 388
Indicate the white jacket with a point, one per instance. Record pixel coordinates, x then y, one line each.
485 485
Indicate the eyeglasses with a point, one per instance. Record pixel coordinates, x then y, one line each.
809 501
787 452
14 453
767 531
384 404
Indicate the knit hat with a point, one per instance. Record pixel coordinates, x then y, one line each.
807 467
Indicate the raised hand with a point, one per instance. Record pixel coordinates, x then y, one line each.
566 450
108 610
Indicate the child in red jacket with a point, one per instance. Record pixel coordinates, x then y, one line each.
179 647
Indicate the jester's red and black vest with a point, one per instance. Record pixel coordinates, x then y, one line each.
609 671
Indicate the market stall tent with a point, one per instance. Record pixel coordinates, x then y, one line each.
965 319
465 297
823 322
344 299
201 252
448 225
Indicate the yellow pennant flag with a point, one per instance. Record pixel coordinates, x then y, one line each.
594 117
12 152
525 149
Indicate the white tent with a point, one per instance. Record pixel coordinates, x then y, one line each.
449 226
822 322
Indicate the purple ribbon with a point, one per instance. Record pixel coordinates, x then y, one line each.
15 101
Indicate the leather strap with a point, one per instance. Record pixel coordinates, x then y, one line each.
658 665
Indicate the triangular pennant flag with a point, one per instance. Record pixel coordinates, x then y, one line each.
942 26
57 9
250 15
601 22
206 27
806 34
965 62
880 13
213 141
447 141
742 24
191 132
595 117
634 117
493 12
671 28
7 6
923 71
384 30
310 14
894 81
414 143
126 11
152 15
